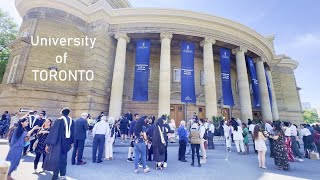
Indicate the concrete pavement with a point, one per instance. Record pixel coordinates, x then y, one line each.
220 165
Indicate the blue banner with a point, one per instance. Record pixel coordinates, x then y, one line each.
254 82
188 92
269 88
141 77
226 77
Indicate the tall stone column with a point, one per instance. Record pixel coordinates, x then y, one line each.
274 108
263 90
209 77
118 75
164 77
243 84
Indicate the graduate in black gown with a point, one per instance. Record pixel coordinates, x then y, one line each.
58 143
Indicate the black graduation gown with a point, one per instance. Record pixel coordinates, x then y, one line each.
158 146
59 146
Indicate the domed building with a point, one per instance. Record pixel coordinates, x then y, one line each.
149 61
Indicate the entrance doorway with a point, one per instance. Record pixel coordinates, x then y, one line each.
177 113
202 112
226 113
256 114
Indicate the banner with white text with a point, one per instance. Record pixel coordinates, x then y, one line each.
254 82
141 77
188 93
226 77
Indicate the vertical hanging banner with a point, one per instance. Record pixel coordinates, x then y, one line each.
254 81
269 88
141 76
188 93
226 77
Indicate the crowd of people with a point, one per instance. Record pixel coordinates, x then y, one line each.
148 139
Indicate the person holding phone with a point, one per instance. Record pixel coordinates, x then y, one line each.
17 142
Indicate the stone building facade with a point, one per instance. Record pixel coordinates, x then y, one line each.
117 26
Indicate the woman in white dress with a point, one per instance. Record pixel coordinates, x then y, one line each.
227 134
110 138
171 136
261 147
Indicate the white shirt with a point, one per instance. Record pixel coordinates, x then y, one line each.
251 127
294 131
211 128
202 131
206 125
102 127
268 128
287 132
237 135
305 132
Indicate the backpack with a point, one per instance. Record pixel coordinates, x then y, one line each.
195 136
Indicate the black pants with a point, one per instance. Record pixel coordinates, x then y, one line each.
77 151
63 167
98 142
210 140
166 153
150 152
182 150
195 148
37 159
271 147
294 147
25 149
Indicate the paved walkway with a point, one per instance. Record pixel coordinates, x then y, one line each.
220 166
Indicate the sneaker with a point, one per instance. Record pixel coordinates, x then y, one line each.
140 166
63 178
136 171
165 165
300 160
130 160
146 170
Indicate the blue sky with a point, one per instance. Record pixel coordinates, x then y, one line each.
296 25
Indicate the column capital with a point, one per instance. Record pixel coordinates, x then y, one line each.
167 35
258 59
206 40
239 49
122 35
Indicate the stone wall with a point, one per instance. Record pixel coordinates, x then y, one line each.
287 95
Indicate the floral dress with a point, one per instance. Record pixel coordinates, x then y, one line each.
288 148
281 157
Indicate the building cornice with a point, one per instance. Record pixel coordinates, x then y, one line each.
289 63
103 10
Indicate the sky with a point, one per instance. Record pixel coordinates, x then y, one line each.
296 25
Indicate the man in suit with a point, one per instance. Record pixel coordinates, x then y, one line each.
80 134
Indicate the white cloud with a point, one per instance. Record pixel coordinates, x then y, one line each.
307 40
9 6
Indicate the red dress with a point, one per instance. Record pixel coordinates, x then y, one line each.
288 149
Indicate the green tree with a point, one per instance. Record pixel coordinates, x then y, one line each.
8 33
310 117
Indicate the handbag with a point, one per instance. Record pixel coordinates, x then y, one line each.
314 155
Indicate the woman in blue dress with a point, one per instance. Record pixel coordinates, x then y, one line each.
17 142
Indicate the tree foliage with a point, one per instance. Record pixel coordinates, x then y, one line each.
8 33
310 117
